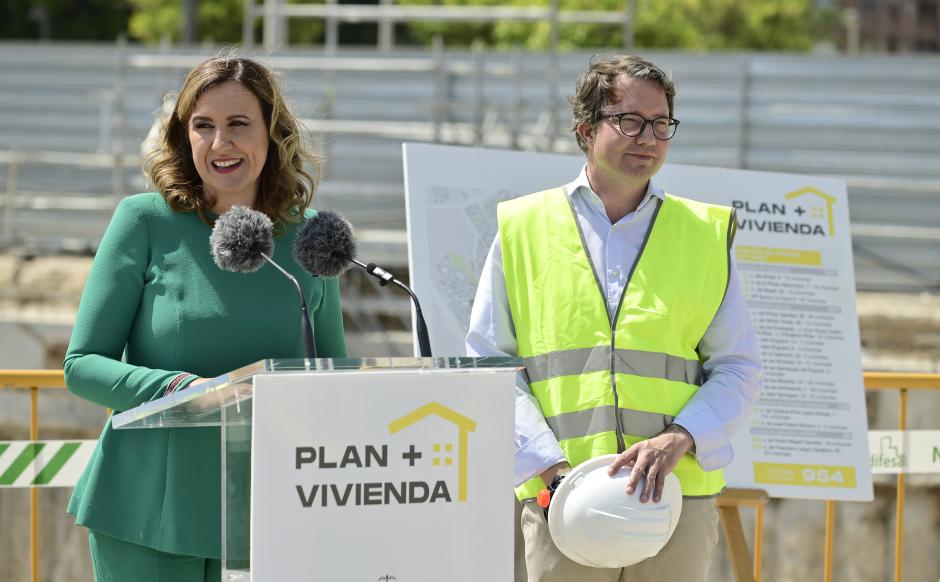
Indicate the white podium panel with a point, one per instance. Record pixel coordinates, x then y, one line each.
382 475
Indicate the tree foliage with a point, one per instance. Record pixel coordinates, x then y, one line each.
67 19
791 25
153 20
218 20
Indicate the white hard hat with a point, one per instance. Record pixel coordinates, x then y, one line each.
595 523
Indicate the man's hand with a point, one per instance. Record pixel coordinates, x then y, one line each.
654 458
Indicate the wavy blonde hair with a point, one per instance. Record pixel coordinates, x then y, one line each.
286 188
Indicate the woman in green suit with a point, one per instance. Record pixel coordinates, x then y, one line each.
151 498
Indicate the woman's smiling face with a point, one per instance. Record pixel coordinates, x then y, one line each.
229 139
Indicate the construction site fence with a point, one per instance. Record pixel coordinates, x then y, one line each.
33 381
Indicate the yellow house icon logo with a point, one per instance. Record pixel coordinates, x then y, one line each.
464 425
822 213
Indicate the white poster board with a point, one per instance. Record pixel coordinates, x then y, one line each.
383 475
807 437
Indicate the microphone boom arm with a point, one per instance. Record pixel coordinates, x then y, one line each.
384 277
310 347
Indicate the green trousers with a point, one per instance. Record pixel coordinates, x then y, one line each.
115 560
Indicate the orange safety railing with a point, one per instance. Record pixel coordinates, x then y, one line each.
902 382
34 380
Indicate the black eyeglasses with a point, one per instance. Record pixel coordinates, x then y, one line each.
632 125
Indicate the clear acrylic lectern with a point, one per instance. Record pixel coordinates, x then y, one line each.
227 402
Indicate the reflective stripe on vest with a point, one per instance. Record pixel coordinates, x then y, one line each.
596 359
603 386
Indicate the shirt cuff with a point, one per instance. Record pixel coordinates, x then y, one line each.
712 446
179 382
537 455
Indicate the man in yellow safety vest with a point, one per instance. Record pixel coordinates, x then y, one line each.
625 304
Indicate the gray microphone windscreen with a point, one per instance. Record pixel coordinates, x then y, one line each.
326 245
238 239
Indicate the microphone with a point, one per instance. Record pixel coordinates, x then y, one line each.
326 247
242 240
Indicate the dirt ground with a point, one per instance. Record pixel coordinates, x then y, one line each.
900 332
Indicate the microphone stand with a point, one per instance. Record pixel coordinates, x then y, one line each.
384 277
310 348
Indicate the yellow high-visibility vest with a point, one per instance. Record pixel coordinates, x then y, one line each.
605 383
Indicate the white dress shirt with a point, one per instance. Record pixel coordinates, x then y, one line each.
729 346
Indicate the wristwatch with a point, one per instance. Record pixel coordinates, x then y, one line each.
544 498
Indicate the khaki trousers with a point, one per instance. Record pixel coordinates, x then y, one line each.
519 575
686 557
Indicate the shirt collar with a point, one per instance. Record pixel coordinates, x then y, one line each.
581 183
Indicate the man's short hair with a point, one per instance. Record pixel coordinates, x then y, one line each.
592 92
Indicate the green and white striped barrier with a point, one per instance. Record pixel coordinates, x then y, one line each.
43 463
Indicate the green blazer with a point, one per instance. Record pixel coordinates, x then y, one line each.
155 295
